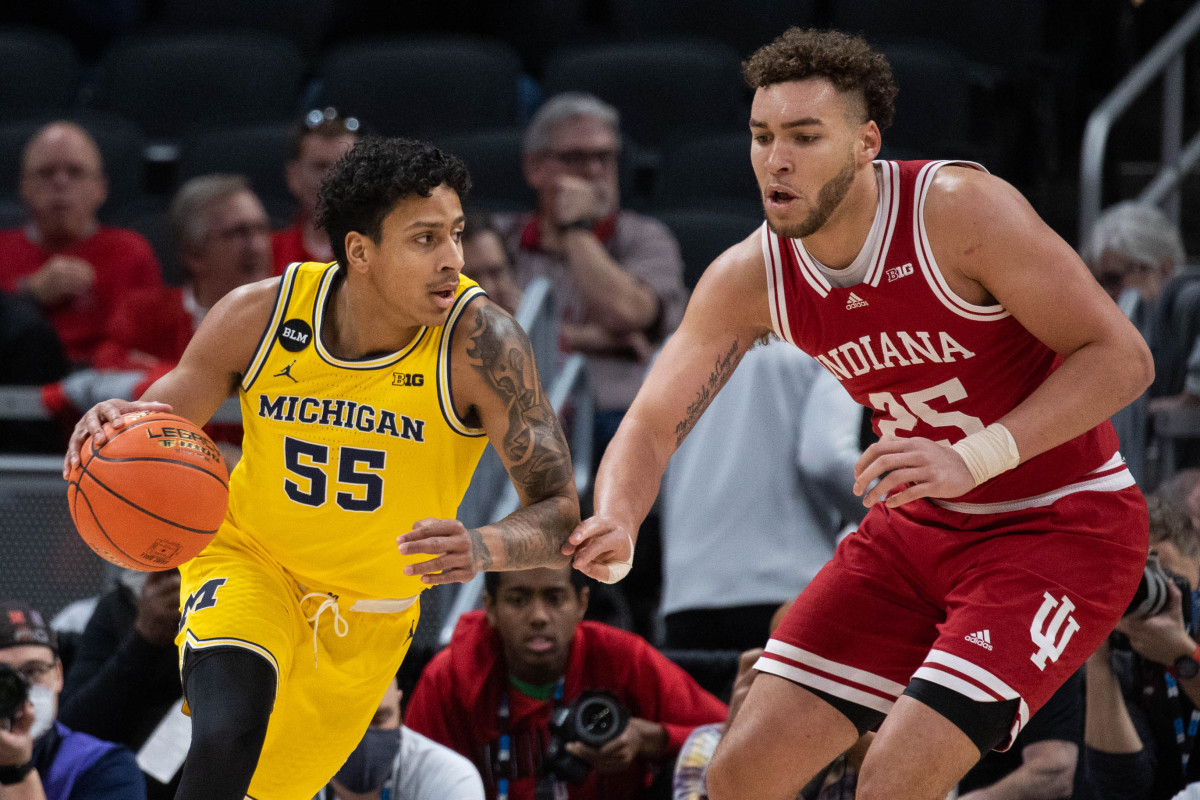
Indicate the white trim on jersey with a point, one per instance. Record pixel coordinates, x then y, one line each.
849 683
939 661
1111 477
890 197
929 267
445 396
776 286
819 283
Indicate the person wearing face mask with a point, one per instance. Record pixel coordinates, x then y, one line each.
40 758
395 763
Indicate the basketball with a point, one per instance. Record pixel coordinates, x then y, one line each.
152 495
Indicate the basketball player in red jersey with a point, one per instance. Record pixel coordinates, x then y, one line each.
1005 536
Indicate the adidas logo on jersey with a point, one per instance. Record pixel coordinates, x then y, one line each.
982 638
855 302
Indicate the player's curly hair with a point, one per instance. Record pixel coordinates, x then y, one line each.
847 61
373 176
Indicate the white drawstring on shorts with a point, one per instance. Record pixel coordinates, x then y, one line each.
340 626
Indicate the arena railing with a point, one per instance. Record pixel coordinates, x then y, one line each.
1166 59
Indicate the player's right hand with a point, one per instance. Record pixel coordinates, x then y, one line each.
601 548
92 424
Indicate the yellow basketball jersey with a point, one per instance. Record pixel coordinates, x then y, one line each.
341 457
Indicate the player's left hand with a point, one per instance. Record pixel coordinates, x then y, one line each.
1161 638
930 469
457 551
641 737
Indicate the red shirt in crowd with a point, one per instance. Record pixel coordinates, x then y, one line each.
457 703
287 247
122 261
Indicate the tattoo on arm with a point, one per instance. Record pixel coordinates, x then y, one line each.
481 556
533 444
722 369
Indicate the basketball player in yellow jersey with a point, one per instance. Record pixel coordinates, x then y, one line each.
369 388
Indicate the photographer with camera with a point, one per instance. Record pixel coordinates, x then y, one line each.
1143 684
549 706
40 758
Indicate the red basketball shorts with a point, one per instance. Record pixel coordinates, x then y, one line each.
993 606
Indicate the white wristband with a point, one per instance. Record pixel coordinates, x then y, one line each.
619 569
988 452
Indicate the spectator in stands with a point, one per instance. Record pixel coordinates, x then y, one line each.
618 275
125 676
224 239
223 236
486 262
1041 764
41 758
1138 700
409 765
313 145
74 267
1183 491
490 694
728 565
1134 250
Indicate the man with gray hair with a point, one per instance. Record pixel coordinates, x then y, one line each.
1135 252
618 275
223 237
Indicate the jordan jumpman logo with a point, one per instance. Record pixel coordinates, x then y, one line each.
286 372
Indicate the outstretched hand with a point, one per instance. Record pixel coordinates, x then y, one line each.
92 424
601 548
458 552
915 467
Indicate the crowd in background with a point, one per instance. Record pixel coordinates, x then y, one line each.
90 308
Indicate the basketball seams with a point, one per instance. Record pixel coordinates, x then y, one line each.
151 514
79 492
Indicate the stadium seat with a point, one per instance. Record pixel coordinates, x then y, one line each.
177 85
156 227
423 87
302 22
39 72
933 120
257 152
493 158
121 144
744 26
703 234
660 88
709 171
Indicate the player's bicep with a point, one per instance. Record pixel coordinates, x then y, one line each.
209 370
725 317
496 378
983 227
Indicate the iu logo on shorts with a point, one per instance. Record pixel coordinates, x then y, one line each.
1052 641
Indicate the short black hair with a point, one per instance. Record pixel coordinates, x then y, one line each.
491 582
373 176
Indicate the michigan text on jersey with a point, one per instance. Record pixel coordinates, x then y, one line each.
340 413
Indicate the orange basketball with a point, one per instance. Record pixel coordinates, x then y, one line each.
152 496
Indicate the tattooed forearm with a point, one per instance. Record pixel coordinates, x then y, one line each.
722 369
533 444
481 556
534 535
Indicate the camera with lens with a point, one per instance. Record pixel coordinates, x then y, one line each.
594 718
1152 597
14 691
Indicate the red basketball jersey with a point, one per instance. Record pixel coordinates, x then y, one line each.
929 363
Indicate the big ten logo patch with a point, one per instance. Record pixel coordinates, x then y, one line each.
295 335
202 598
408 379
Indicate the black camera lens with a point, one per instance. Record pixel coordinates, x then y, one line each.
13 692
599 719
1152 595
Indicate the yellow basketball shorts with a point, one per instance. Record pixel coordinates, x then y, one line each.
233 594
